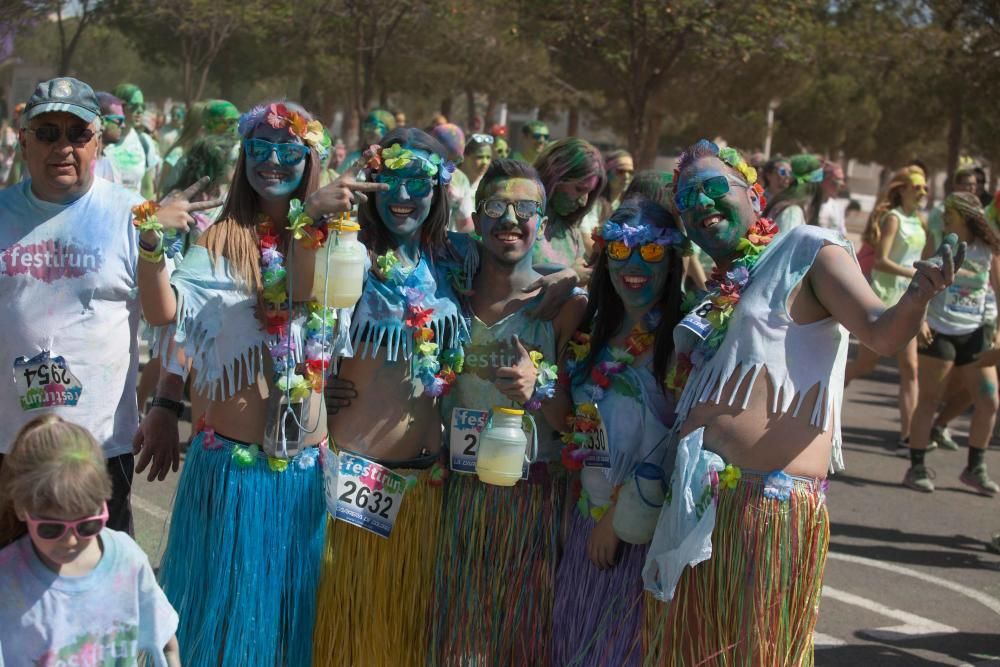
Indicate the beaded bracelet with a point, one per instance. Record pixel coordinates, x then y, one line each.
545 381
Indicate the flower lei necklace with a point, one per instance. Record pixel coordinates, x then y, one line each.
319 325
435 368
724 291
603 376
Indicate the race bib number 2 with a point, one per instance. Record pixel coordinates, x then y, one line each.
466 427
368 495
44 381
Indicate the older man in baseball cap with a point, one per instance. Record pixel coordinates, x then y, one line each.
68 254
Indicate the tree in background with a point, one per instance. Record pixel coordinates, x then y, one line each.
192 33
634 50
70 18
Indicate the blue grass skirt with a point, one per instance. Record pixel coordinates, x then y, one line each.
243 558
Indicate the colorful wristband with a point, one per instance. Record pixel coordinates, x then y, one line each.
154 256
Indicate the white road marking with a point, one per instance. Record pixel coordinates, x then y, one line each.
913 625
149 508
988 601
821 640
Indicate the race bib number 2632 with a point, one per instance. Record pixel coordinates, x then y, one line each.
367 494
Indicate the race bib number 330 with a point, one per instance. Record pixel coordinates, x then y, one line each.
44 381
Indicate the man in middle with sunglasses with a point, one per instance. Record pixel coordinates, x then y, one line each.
499 544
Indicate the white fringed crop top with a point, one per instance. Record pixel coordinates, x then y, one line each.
762 334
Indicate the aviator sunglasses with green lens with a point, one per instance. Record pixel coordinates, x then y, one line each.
715 187
523 208
415 187
289 155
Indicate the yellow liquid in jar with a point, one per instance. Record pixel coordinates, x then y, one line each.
501 466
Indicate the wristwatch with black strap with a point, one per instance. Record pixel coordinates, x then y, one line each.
168 404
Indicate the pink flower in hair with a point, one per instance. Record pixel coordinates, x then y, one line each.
276 115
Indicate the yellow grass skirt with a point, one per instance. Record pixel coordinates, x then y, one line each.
376 594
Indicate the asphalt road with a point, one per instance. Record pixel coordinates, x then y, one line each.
909 580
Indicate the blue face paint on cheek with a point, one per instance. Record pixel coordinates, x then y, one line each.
274 181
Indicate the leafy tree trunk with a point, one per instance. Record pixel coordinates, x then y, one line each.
470 107
67 50
638 102
489 117
574 121
954 135
357 104
651 139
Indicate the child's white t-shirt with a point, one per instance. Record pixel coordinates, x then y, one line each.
103 618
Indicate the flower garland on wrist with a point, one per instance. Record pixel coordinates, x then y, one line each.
603 377
545 381
724 290
435 368
144 219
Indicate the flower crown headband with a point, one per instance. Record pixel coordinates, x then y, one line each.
398 157
279 116
633 237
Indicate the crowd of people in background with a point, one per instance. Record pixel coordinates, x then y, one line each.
634 332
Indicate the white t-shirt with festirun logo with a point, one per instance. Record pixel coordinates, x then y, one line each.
71 314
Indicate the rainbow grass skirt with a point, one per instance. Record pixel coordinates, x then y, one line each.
756 600
495 583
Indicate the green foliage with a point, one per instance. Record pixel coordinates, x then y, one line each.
881 80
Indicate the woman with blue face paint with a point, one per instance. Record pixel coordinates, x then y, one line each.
407 331
622 418
243 558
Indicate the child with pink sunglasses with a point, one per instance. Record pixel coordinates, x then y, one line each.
71 590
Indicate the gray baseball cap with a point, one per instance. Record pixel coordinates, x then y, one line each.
64 94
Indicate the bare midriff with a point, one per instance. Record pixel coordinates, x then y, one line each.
244 415
758 439
386 421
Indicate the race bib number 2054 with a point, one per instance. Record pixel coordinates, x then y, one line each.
44 381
